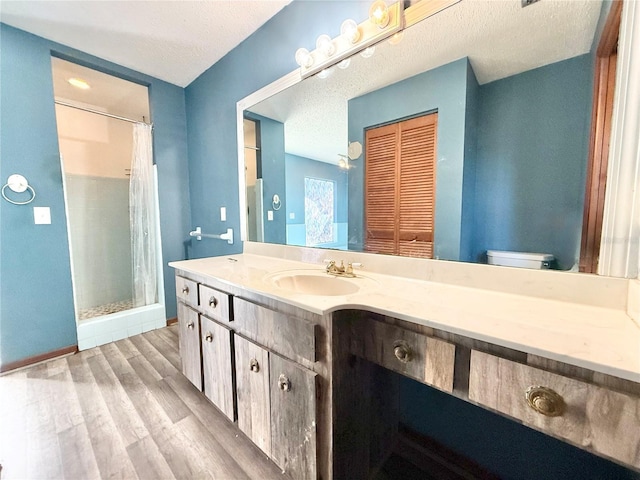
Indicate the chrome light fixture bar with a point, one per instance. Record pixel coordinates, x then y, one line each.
371 31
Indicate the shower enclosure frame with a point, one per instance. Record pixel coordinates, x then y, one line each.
111 327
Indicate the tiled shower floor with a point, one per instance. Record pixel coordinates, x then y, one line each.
87 313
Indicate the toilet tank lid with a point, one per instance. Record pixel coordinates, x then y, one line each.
543 257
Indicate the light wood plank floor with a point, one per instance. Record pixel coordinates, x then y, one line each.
122 410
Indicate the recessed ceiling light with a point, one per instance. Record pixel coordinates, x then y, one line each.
79 83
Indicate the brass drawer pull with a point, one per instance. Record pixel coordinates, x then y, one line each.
209 337
545 401
402 351
213 302
283 383
190 325
254 366
185 290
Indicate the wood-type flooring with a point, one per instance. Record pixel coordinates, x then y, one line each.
119 411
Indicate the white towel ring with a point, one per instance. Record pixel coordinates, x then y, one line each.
18 184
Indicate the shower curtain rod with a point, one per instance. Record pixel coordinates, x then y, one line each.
110 115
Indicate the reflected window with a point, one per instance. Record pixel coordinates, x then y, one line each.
319 200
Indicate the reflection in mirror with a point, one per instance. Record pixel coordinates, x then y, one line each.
512 90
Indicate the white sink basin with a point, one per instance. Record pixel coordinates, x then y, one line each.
317 282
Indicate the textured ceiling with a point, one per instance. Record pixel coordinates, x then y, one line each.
499 36
174 41
107 93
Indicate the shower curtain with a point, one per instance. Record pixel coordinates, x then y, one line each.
143 219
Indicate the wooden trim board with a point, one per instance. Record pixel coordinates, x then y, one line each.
29 361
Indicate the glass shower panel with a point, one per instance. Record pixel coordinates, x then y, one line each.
96 157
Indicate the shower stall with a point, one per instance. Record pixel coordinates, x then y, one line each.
111 203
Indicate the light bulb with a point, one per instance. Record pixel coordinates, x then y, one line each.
304 58
325 73
344 63
325 45
368 52
349 30
342 163
396 38
79 83
379 13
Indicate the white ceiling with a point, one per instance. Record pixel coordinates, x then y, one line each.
106 93
174 41
499 37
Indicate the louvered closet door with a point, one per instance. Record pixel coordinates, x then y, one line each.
380 190
417 186
400 187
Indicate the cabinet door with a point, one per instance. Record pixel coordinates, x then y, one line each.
293 418
189 331
216 362
252 387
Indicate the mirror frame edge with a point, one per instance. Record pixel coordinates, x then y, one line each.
265 92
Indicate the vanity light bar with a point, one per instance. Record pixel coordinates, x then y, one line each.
370 34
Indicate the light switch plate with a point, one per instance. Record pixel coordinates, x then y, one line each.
42 215
292 216
223 214
270 215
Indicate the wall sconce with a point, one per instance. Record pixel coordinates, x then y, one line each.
383 22
353 153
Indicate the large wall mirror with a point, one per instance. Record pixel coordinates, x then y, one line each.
512 88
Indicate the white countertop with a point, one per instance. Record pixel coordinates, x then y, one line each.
602 339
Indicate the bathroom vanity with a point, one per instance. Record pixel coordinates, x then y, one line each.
310 376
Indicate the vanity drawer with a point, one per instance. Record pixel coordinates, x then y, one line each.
295 338
423 358
214 303
187 291
586 415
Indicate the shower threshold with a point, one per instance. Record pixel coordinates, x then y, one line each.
106 309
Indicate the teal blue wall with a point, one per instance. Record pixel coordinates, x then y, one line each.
211 100
443 90
532 158
36 312
472 117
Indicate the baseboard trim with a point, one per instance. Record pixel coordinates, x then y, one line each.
26 362
172 321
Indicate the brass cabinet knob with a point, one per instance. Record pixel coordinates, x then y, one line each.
283 383
209 337
402 351
213 302
254 366
185 290
190 325
545 401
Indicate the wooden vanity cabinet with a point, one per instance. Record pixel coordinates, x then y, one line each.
276 395
277 407
252 389
215 304
187 291
250 362
421 357
217 370
189 333
598 419
293 418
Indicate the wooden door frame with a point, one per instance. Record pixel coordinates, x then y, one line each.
603 94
